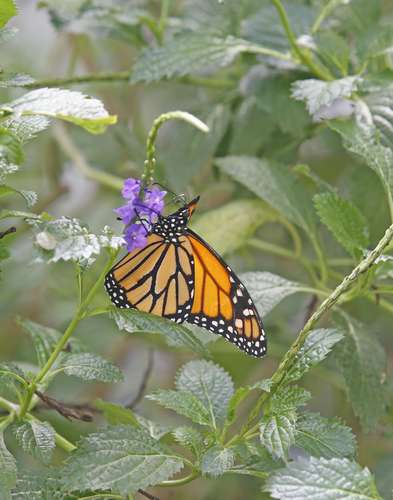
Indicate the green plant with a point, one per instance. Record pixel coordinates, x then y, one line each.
275 77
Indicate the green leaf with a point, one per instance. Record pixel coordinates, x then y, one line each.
190 438
287 399
319 94
91 367
12 376
8 470
210 384
67 105
324 437
317 346
344 220
275 184
277 433
240 394
38 486
376 41
362 361
7 11
133 321
268 290
334 50
244 216
217 460
363 142
187 54
380 104
154 429
115 414
265 28
122 458
36 438
44 339
254 460
183 403
30 197
322 478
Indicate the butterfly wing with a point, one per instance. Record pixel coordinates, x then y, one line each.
157 279
221 302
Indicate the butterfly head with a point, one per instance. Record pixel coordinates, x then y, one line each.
175 224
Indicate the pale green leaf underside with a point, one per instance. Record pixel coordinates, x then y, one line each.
217 460
91 367
122 458
36 438
277 433
334 479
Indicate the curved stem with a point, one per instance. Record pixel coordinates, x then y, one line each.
303 57
148 174
290 357
79 314
179 482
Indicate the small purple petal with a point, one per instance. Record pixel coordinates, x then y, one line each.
126 212
131 188
154 199
135 236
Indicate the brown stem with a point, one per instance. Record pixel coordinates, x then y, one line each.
144 381
7 231
76 412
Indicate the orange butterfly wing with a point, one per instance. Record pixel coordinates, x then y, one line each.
157 279
221 302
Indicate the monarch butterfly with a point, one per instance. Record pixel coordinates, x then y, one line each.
179 276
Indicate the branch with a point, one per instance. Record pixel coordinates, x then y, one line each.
144 381
7 231
77 412
291 355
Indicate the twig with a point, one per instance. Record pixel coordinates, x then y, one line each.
147 494
77 412
144 381
7 231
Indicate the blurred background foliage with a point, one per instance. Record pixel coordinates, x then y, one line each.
248 107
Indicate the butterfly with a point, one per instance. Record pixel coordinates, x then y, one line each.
178 276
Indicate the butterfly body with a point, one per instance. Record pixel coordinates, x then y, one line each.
178 276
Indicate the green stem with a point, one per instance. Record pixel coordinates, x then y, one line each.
79 315
325 12
291 355
7 405
321 259
6 422
179 482
150 162
302 56
69 148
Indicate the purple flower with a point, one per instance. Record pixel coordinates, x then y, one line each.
131 188
147 204
126 212
135 236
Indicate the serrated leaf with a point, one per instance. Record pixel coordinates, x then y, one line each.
317 346
115 414
67 105
38 486
36 438
363 142
254 460
12 376
319 94
362 361
154 429
91 367
240 394
217 460
44 339
268 290
277 433
275 184
287 399
324 437
189 53
8 469
244 216
183 403
26 128
380 103
190 438
122 458
344 220
133 321
210 384
321 478
7 11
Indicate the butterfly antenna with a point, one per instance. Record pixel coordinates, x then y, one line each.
178 199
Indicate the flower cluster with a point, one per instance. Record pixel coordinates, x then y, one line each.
143 205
